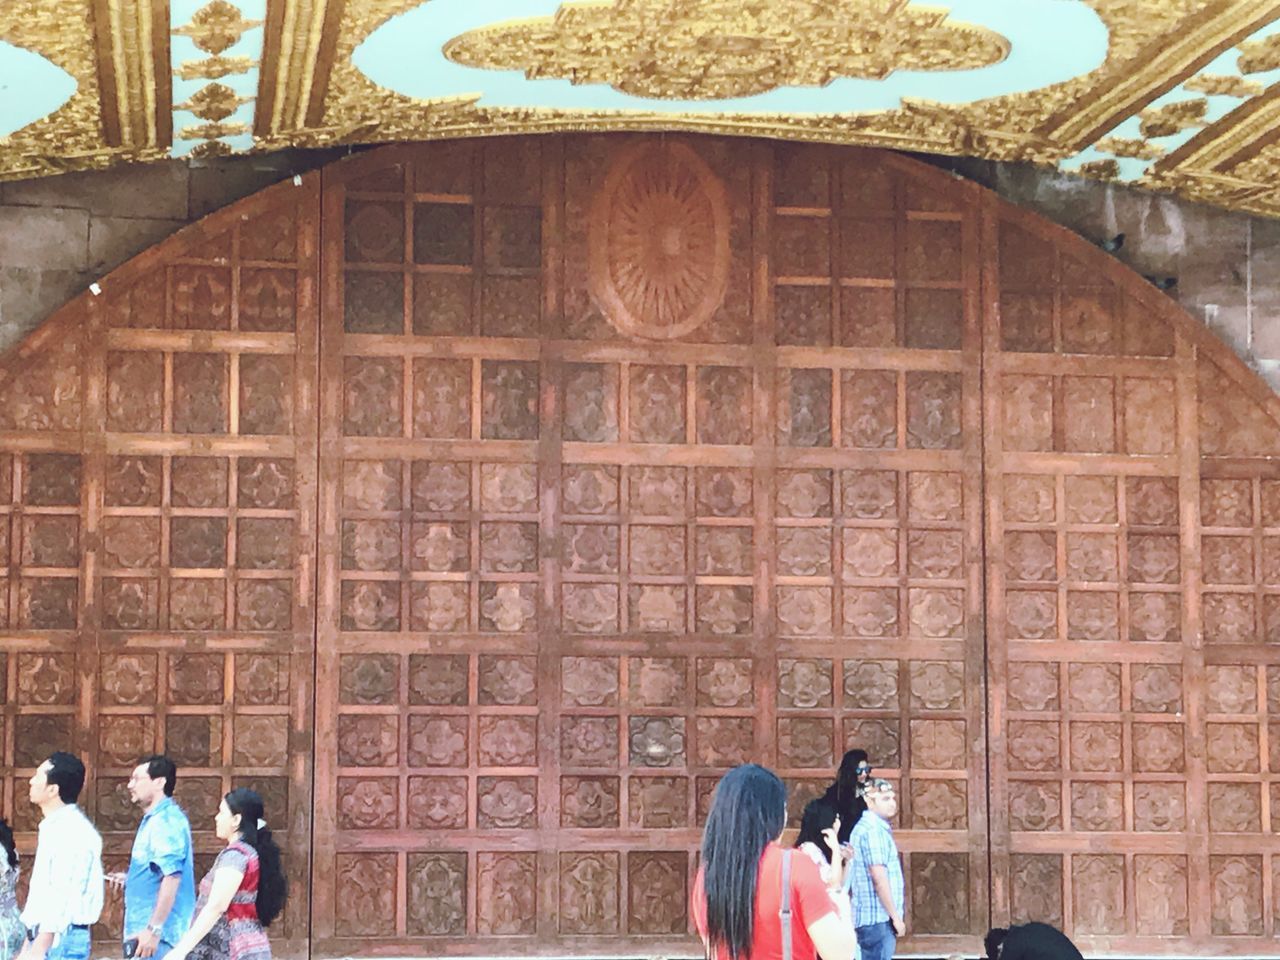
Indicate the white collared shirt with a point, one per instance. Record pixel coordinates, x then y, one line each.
66 880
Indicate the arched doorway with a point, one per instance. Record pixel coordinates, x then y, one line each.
483 502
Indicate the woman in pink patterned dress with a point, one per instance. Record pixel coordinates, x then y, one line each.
242 893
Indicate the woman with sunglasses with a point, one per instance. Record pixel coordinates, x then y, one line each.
845 794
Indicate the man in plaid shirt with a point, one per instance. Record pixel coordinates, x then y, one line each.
875 877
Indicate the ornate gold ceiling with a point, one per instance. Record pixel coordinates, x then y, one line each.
1180 95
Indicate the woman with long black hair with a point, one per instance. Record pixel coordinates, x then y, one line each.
819 830
244 890
12 933
819 838
845 794
738 897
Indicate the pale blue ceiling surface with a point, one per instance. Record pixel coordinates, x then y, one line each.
31 87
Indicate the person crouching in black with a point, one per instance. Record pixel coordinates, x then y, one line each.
1029 941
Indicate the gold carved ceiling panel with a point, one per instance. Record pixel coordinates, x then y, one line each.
1168 94
752 47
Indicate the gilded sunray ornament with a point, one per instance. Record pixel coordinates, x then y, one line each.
659 250
709 49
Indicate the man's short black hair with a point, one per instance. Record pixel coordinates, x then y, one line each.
993 940
66 772
158 765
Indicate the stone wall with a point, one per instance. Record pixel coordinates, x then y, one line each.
1226 266
59 234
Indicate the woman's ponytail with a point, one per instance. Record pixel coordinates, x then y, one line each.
273 886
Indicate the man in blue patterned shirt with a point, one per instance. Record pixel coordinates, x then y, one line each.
875 876
159 888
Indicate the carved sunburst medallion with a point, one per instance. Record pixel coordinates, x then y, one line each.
658 257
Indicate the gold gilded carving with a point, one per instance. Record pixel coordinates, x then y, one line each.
1223 85
211 131
658 256
709 49
72 137
356 110
1100 169
135 67
1151 48
312 95
1019 127
1251 186
214 102
295 66
211 148
213 68
1041 126
1172 117
216 26
1130 147
1259 56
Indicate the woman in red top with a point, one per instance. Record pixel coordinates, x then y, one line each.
737 897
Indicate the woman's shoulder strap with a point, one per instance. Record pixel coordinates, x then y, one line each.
784 914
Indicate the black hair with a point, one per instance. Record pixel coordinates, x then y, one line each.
844 796
818 816
66 772
273 887
748 810
6 841
161 766
992 941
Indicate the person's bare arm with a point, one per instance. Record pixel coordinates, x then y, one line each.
37 948
148 941
837 867
226 882
833 934
880 880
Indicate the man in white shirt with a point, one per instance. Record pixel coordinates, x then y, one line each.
65 897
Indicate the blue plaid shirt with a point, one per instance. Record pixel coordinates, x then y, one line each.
872 842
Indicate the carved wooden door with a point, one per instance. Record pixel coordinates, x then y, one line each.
158 531
641 458
602 464
1132 576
